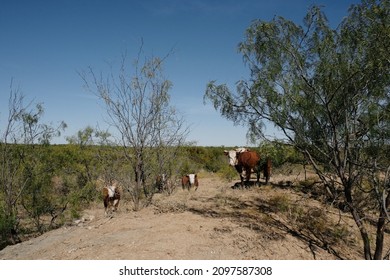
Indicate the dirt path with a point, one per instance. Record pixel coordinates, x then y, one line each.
215 222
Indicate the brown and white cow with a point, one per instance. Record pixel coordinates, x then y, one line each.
111 197
189 180
244 161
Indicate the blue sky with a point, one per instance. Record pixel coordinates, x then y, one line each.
44 44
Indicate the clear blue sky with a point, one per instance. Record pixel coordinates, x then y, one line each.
43 44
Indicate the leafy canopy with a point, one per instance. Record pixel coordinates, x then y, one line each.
327 90
314 82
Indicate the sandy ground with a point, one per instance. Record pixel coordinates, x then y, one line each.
214 222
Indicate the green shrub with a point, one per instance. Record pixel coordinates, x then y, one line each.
279 203
229 173
7 224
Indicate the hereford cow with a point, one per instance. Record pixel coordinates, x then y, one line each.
161 181
187 181
111 197
244 161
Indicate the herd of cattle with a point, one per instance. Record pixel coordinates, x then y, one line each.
243 160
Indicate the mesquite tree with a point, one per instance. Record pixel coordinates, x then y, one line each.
138 107
24 173
327 90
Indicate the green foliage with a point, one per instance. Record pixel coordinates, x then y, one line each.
61 180
228 172
315 222
24 169
7 225
279 203
318 85
137 102
210 159
327 90
280 153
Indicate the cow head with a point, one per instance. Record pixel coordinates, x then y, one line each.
191 178
232 156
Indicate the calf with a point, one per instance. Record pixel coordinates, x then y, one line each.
187 181
161 181
111 197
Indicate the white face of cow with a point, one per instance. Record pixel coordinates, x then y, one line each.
111 191
232 156
192 178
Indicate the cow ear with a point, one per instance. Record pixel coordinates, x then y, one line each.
225 152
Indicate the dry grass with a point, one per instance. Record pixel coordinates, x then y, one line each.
274 221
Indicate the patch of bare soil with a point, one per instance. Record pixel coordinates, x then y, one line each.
214 222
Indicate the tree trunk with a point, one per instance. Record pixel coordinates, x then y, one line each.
381 229
358 221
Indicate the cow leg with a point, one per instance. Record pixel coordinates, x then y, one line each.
266 174
116 202
242 172
112 203
267 170
242 180
110 206
196 182
242 176
248 176
105 201
258 177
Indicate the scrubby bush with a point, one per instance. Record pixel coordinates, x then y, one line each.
280 153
